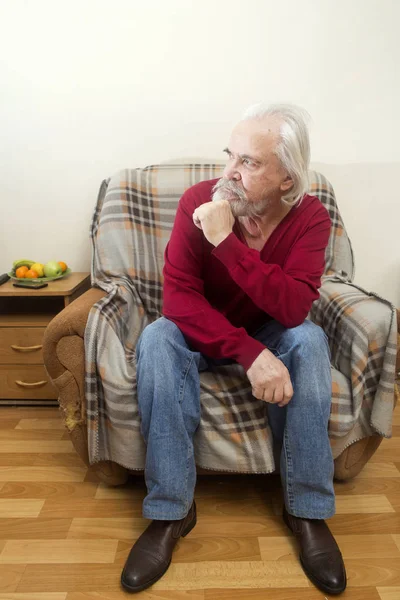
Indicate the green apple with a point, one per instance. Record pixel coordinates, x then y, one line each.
52 269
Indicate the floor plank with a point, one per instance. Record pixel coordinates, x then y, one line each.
8 459
387 450
90 507
389 593
378 469
396 539
42 445
374 485
351 546
218 549
42 473
8 423
17 529
365 503
193 550
29 412
41 424
58 460
233 575
10 576
58 551
146 595
70 578
20 508
239 526
38 596
113 527
373 571
125 492
288 594
365 523
268 505
57 490
394 499
23 435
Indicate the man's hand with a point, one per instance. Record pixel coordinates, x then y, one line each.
215 219
270 379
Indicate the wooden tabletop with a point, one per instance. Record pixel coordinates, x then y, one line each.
60 287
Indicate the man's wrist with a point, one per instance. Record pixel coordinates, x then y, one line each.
218 240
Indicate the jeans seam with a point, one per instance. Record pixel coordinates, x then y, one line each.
289 471
181 394
184 377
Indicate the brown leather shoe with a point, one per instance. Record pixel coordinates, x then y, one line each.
151 555
320 556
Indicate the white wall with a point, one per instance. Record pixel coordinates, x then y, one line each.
92 86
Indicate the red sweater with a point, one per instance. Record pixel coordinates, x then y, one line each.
218 296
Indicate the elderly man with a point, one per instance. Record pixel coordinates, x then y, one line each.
242 268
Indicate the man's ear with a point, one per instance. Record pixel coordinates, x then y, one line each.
286 184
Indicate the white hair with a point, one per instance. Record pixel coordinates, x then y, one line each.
293 148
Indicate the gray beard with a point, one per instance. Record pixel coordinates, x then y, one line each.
240 206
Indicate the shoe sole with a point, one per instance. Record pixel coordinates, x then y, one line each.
315 581
144 586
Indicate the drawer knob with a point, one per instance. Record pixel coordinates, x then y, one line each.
26 348
30 385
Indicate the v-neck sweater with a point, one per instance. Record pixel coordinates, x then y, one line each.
220 296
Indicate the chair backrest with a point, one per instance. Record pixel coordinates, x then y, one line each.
133 219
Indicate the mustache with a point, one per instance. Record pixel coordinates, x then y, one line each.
229 186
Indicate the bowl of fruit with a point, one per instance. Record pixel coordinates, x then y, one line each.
34 272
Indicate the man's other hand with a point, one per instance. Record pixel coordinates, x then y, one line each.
270 379
215 219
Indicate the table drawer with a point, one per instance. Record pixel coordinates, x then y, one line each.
26 382
21 345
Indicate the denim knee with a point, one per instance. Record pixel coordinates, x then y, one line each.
155 335
308 338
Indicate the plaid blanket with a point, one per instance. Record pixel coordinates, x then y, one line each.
130 228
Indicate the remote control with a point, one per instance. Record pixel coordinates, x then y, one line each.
4 278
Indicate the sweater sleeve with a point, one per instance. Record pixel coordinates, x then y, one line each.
287 293
184 303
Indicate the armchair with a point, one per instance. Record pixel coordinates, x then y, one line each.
89 348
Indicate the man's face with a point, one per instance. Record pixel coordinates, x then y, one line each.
253 177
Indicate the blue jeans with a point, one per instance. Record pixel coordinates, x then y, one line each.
169 404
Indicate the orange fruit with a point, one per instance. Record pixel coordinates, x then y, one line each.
21 272
31 274
63 266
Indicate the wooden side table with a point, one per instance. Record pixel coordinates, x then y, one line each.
24 315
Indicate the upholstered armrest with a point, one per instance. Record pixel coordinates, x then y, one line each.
64 355
69 322
362 332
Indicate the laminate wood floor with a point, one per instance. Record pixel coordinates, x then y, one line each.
65 536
